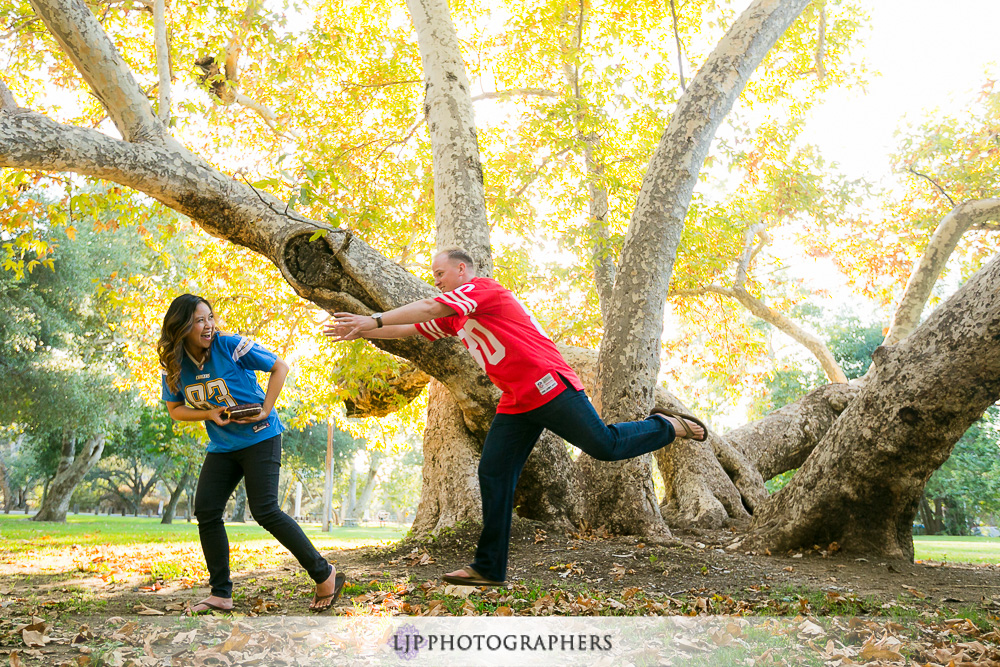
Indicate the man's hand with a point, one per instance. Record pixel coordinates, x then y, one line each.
348 326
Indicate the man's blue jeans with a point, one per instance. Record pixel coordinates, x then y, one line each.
511 438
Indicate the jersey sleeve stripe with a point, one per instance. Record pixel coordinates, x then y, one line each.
463 293
436 329
242 348
428 329
461 303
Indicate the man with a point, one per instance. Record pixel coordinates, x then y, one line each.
540 391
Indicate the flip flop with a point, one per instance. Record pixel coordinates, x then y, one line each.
338 585
211 607
474 579
680 416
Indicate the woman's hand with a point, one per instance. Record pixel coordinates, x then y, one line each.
215 414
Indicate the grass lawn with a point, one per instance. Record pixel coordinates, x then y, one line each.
115 546
957 549
21 536
84 530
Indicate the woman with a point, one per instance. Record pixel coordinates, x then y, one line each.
211 372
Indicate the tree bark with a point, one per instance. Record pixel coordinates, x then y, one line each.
450 489
629 360
60 490
862 485
459 196
170 509
162 61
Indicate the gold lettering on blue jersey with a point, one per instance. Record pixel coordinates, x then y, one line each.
202 377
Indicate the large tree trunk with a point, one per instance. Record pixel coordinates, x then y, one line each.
8 496
450 491
863 483
629 359
175 495
720 482
60 490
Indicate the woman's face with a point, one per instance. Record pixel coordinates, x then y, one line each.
199 338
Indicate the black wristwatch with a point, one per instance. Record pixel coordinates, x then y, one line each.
378 320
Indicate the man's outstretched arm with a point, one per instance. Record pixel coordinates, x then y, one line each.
396 323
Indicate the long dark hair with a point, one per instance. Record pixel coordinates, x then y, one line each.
177 324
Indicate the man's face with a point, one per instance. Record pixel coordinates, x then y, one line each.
448 273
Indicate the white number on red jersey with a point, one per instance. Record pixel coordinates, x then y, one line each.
482 344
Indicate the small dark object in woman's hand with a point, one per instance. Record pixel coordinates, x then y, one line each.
242 411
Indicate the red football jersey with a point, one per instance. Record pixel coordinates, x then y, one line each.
506 341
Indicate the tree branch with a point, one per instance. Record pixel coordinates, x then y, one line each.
759 309
515 92
235 46
750 251
657 221
821 43
265 112
928 269
347 85
933 182
7 101
162 61
95 56
677 40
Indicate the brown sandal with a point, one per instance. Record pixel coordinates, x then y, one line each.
474 579
683 418
338 585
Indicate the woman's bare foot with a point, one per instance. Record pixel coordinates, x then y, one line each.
326 593
211 603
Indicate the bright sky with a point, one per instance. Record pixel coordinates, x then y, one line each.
930 57
930 54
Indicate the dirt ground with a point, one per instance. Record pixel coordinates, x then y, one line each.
813 608
696 565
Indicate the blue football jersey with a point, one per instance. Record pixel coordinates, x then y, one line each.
227 378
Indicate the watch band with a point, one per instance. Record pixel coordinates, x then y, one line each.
378 320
